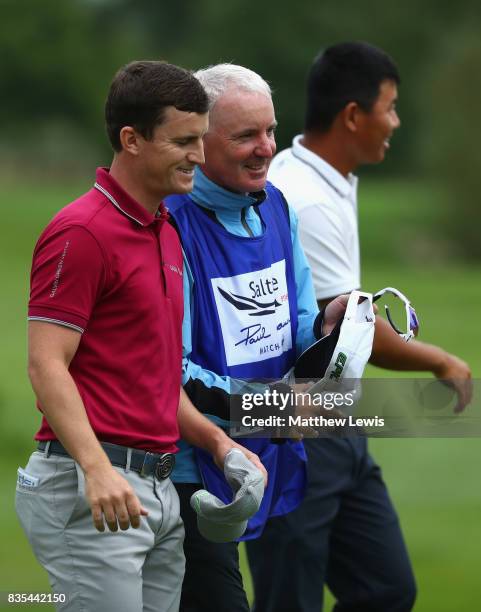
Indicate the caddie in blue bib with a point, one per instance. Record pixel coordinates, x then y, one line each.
244 321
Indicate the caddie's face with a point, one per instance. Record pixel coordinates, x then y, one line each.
240 142
168 159
377 126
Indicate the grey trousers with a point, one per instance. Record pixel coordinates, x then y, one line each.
138 570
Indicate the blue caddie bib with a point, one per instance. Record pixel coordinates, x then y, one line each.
244 325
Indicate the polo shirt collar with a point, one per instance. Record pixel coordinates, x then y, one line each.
124 202
334 178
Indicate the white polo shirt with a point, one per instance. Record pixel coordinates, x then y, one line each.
326 206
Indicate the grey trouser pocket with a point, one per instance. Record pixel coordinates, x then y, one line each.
50 492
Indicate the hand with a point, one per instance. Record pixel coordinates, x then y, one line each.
333 312
456 373
111 497
305 409
226 444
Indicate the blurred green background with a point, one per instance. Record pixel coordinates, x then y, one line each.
419 213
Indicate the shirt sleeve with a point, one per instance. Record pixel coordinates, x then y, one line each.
68 275
322 236
307 309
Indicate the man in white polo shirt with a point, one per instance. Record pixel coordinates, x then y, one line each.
327 203
346 532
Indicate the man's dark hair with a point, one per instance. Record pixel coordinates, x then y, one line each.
343 73
140 92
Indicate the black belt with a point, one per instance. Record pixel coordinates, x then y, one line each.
145 463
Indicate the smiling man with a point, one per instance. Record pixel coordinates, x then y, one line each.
346 532
105 320
249 311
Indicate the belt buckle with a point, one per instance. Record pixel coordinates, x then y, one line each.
164 466
149 464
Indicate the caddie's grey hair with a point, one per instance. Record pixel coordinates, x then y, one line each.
217 79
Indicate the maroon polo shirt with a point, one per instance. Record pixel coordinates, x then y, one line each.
112 271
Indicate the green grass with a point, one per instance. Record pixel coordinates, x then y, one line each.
433 486
400 222
25 211
433 482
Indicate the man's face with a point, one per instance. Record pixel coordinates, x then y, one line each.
168 159
376 127
240 142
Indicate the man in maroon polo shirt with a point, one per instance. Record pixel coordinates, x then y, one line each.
105 317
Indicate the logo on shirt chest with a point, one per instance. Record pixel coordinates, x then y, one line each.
173 268
254 314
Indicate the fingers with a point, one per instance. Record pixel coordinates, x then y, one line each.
457 374
134 512
98 517
302 387
299 433
113 502
253 458
464 389
123 513
110 517
103 511
227 445
334 311
125 516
